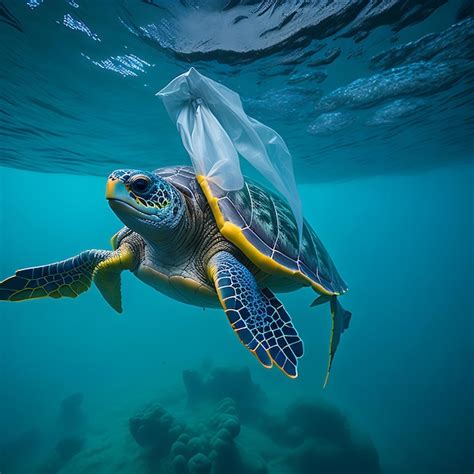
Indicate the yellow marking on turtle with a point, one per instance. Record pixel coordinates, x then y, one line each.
110 188
114 240
123 260
234 234
106 275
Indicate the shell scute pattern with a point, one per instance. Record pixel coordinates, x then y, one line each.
263 217
238 218
268 224
271 228
184 179
286 241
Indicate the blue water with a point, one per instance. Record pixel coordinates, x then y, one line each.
382 141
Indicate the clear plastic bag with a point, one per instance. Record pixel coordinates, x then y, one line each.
215 130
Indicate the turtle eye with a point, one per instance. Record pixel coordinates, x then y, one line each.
140 184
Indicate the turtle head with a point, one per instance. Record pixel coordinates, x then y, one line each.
144 202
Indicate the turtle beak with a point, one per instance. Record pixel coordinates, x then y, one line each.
115 189
120 201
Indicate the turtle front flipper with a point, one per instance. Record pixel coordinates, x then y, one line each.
256 315
71 277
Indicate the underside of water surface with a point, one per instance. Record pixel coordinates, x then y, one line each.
348 82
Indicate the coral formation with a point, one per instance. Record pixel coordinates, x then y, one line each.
235 383
307 437
71 442
71 416
204 445
154 427
321 441
66 449
224 424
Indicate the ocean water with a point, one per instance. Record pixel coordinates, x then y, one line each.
374 100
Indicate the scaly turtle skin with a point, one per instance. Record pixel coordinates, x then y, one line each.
193 241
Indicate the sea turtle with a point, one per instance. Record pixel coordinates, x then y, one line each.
190 239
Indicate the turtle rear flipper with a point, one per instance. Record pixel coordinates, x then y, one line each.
340 322
71 277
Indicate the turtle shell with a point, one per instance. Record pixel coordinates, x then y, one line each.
263 226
